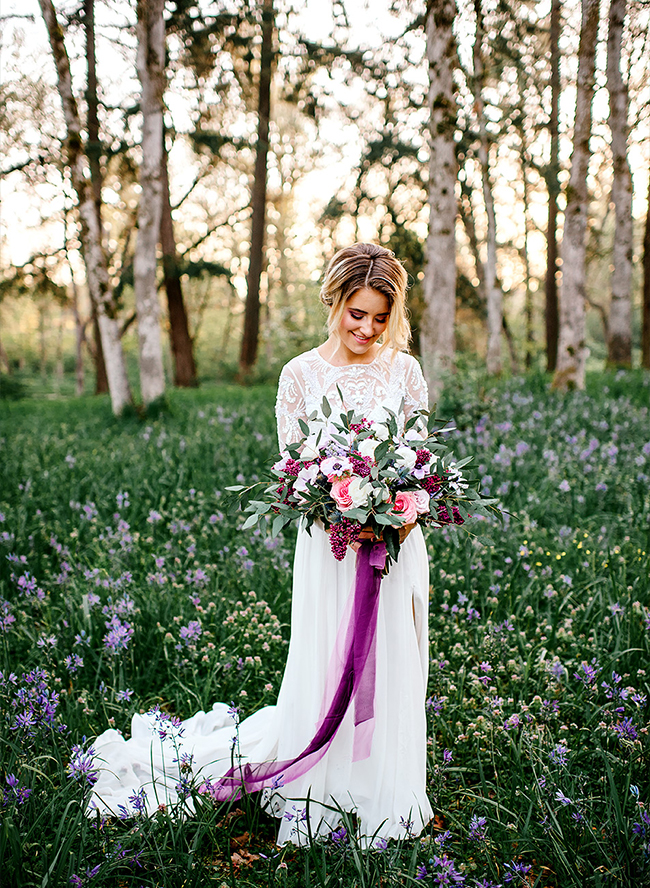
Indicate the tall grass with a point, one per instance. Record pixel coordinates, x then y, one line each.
126 583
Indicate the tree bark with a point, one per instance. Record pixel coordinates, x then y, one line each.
179 334
79 326
570 371
93 153
151 73
619 345
553 186
437 339
492 289
645 330
251 332
93 253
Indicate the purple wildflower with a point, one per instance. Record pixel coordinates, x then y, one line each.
515 870
119 634
626 730
477 829
191 632
81 765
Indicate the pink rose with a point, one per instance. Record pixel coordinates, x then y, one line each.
405 507
340 494
421 501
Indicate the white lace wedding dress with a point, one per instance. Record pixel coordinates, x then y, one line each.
387 789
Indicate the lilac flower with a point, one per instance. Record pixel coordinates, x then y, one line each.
191 632
616 609
560 797
558 755
515 870
73 663
119 634
90 511
422 872
154 517
477 829
447 756
14 792
340 836
565 487
124 696
81 765
626 730
139 800
380 845
589 673
184 787
445 872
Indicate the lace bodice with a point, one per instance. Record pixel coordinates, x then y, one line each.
367 389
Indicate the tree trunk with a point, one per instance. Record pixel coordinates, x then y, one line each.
251 333
93 153
570 371
492 289
151 73
79 340
93 253
619 345
179 334
553 186
437 341
78 323
645 332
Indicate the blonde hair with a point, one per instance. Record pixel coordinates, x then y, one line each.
376 268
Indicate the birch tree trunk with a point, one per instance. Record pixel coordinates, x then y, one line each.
179 334
493 292
250 337
437 340
570 371
93 153
553 186
645 330
93 253
151 73
619 346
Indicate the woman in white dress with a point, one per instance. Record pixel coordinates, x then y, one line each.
363 362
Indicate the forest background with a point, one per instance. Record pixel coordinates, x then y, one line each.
197 165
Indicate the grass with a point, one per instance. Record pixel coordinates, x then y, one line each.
539 759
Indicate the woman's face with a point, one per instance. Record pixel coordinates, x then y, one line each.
364 320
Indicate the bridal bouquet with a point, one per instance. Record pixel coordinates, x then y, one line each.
352 474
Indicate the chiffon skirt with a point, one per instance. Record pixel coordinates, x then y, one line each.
386 790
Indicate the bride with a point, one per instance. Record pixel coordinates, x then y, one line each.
363 361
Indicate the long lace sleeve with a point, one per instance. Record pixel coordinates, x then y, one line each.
416 396
290 404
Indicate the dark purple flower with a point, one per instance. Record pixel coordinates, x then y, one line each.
81 766
477 829
515 871
626 730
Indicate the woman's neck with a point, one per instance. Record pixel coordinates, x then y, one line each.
335 353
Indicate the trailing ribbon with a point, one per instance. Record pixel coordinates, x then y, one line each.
353 678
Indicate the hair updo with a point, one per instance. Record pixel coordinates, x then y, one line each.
376 268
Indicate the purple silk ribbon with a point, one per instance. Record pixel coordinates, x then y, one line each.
351 676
